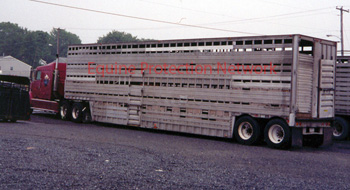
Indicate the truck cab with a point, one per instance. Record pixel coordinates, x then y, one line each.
42 94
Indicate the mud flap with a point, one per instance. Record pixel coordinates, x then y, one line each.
297 137
327 136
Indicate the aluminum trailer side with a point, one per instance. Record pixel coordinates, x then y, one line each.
280 88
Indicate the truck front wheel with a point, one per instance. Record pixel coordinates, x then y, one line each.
277 134
77 113
341 128
65 110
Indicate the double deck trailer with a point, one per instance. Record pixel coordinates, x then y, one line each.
278 88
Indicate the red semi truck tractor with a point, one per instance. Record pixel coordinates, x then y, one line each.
43 94
47 93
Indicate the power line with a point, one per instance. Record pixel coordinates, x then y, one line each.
194 10
189 25
279 4
283 5
272 16
254 21
142 18
167 27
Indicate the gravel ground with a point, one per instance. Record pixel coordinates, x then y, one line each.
47 153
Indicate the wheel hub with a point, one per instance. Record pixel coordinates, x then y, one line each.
276 134
245 130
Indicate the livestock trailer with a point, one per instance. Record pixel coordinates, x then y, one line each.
279 88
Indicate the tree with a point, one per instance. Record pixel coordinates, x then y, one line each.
37 48
31 46
116 36
65 38
12 39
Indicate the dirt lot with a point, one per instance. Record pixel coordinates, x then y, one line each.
47 153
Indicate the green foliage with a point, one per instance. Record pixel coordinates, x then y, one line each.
65 39
116 36
12 39
31 46
35 47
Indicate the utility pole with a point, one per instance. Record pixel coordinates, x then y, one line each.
58 42
341 28
55 82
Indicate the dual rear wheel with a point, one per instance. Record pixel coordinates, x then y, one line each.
276 133
76 112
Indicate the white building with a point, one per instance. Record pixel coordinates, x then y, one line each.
12 66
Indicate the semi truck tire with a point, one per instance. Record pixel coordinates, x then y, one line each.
65 110
277 134
341 128
77 112
247 130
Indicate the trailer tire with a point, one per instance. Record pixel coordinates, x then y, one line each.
247 130
65 110
277 134
341 128
77 112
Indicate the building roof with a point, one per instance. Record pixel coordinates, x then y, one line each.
9 59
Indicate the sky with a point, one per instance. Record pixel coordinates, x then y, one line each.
225 18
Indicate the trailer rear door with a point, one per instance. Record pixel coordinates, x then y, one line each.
326 88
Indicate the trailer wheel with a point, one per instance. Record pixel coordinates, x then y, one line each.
65 110
247 130
77 112
277 134
341 128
